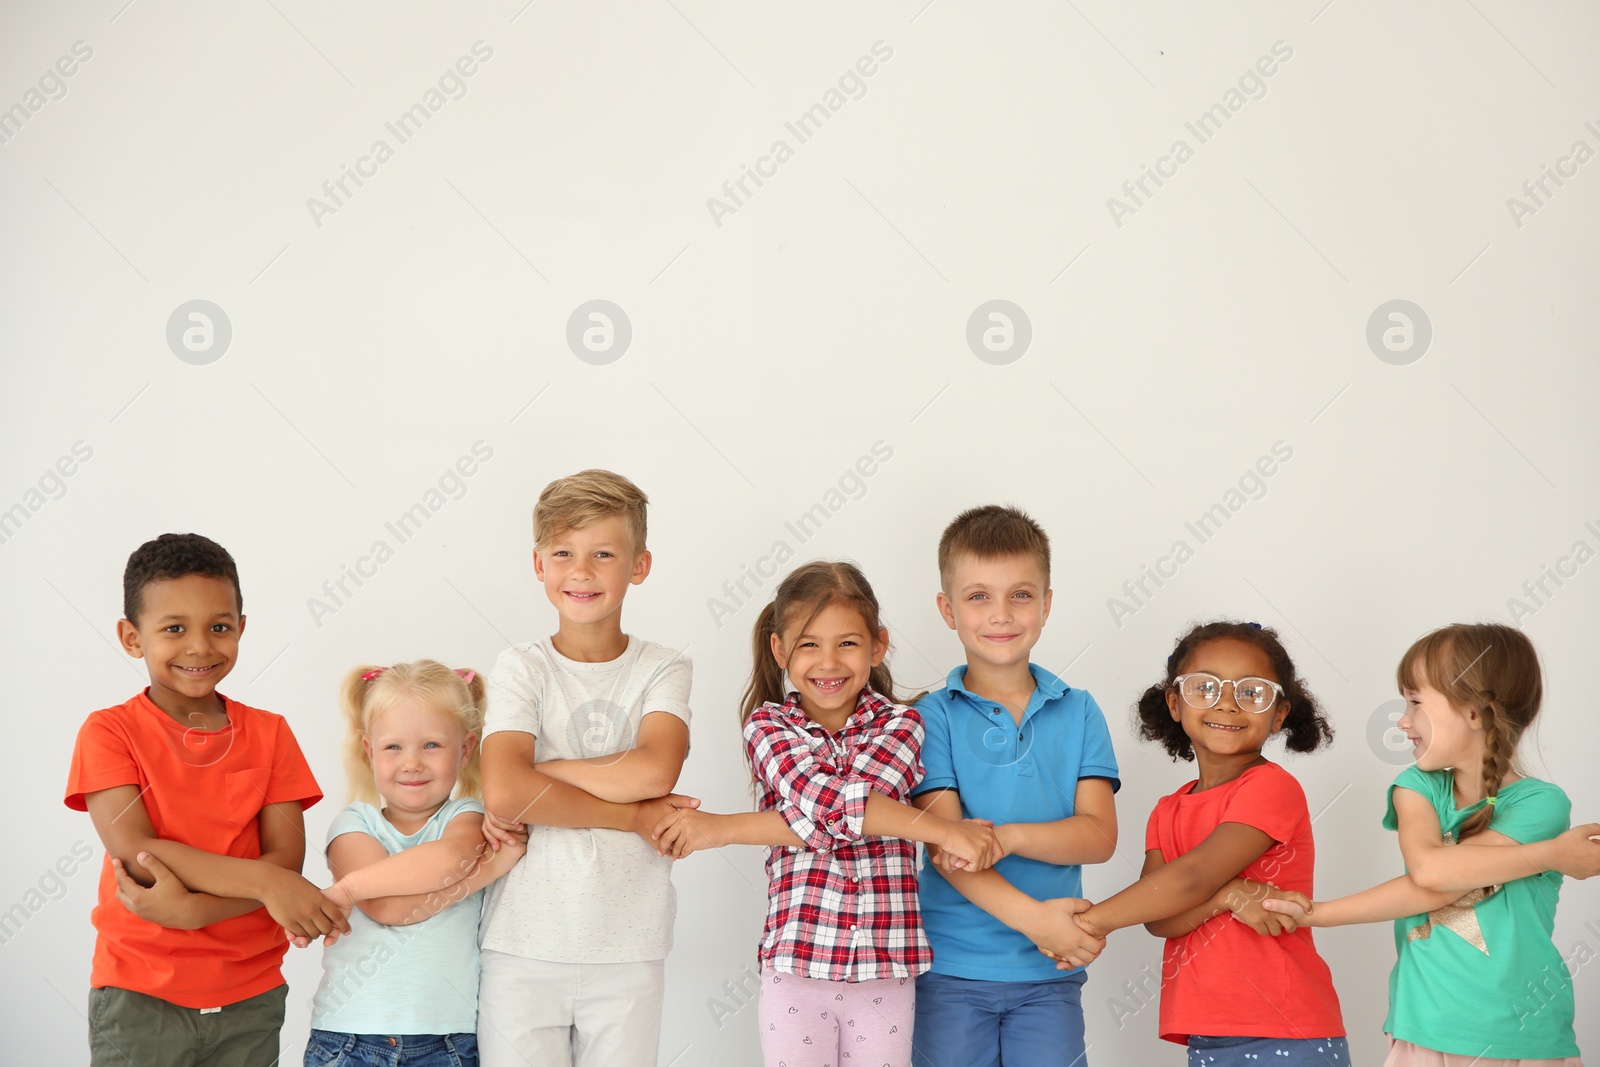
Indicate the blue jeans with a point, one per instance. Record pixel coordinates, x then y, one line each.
328 1049
965 1022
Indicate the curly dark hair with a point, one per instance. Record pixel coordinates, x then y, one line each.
1305 729
174 555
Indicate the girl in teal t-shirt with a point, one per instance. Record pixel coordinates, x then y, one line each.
1478 975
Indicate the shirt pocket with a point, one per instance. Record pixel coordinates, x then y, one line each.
244 794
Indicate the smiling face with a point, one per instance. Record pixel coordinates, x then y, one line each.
416 751
997 607
1223 729
187 633
830 659
1441 735
586 572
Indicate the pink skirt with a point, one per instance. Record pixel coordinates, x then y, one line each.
1405 1054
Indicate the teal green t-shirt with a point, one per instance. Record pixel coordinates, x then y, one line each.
1484 978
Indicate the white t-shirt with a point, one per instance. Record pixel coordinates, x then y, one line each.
584 895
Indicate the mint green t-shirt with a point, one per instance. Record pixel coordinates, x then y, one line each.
1485 978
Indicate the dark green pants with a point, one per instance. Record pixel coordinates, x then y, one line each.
128 1029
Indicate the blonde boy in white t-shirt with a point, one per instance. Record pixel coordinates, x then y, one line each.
585 734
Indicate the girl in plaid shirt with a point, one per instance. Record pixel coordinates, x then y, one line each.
834 759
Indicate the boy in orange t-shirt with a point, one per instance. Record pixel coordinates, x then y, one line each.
199 802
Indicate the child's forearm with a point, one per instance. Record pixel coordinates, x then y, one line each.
230 877
409 908
621 778
1174 889
205 909
991 891
1187 922
1467 866
537 798
1397 898
419 869
758 828
887 817
1077 839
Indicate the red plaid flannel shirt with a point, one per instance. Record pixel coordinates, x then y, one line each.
844 909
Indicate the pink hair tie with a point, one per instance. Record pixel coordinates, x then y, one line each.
466 675
373 673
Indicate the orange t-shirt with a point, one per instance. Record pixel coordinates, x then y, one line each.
204 789
1224 979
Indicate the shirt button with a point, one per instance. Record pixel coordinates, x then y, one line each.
852 926
853 878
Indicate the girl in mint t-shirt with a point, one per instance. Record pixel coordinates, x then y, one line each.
1478 975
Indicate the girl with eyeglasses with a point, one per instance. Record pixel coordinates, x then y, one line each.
1222 844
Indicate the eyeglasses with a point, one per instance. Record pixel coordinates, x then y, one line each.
1255 695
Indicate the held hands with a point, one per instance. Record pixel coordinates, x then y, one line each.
1265 908
341 896
166 903
304 911
1061 933
648 815
498 832
686 830
947 861
969 845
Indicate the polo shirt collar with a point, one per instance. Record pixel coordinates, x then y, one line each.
1047 686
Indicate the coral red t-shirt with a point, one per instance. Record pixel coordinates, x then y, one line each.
1224 979
205 789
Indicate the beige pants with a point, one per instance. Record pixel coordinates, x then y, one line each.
1405 1054
569 1014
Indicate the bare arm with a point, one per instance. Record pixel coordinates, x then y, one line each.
649 769
1169 889
489 865
1487 857
1394 899
274 880
365 870
516 790
1089 835
1047 923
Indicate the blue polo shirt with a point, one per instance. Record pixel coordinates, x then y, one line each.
1007 773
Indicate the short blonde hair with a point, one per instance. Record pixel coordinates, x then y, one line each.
992 532
368 689
585 498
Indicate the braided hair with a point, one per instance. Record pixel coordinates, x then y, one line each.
1488 669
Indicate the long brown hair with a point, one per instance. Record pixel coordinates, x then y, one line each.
801 597
1488 668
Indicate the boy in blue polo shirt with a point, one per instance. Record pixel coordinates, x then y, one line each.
1009 742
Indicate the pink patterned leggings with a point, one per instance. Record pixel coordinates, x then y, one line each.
806 1022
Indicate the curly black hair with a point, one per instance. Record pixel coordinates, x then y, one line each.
1305 729
174 555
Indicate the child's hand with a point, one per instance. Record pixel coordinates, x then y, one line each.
973 842
686 831
302 909
499 832
1577 853
166 903
1247 901
649 814
339 893
1056 932
1288 909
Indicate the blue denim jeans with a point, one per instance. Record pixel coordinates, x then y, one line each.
964 1022
328 1049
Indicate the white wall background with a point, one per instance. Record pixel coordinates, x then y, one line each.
773 346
